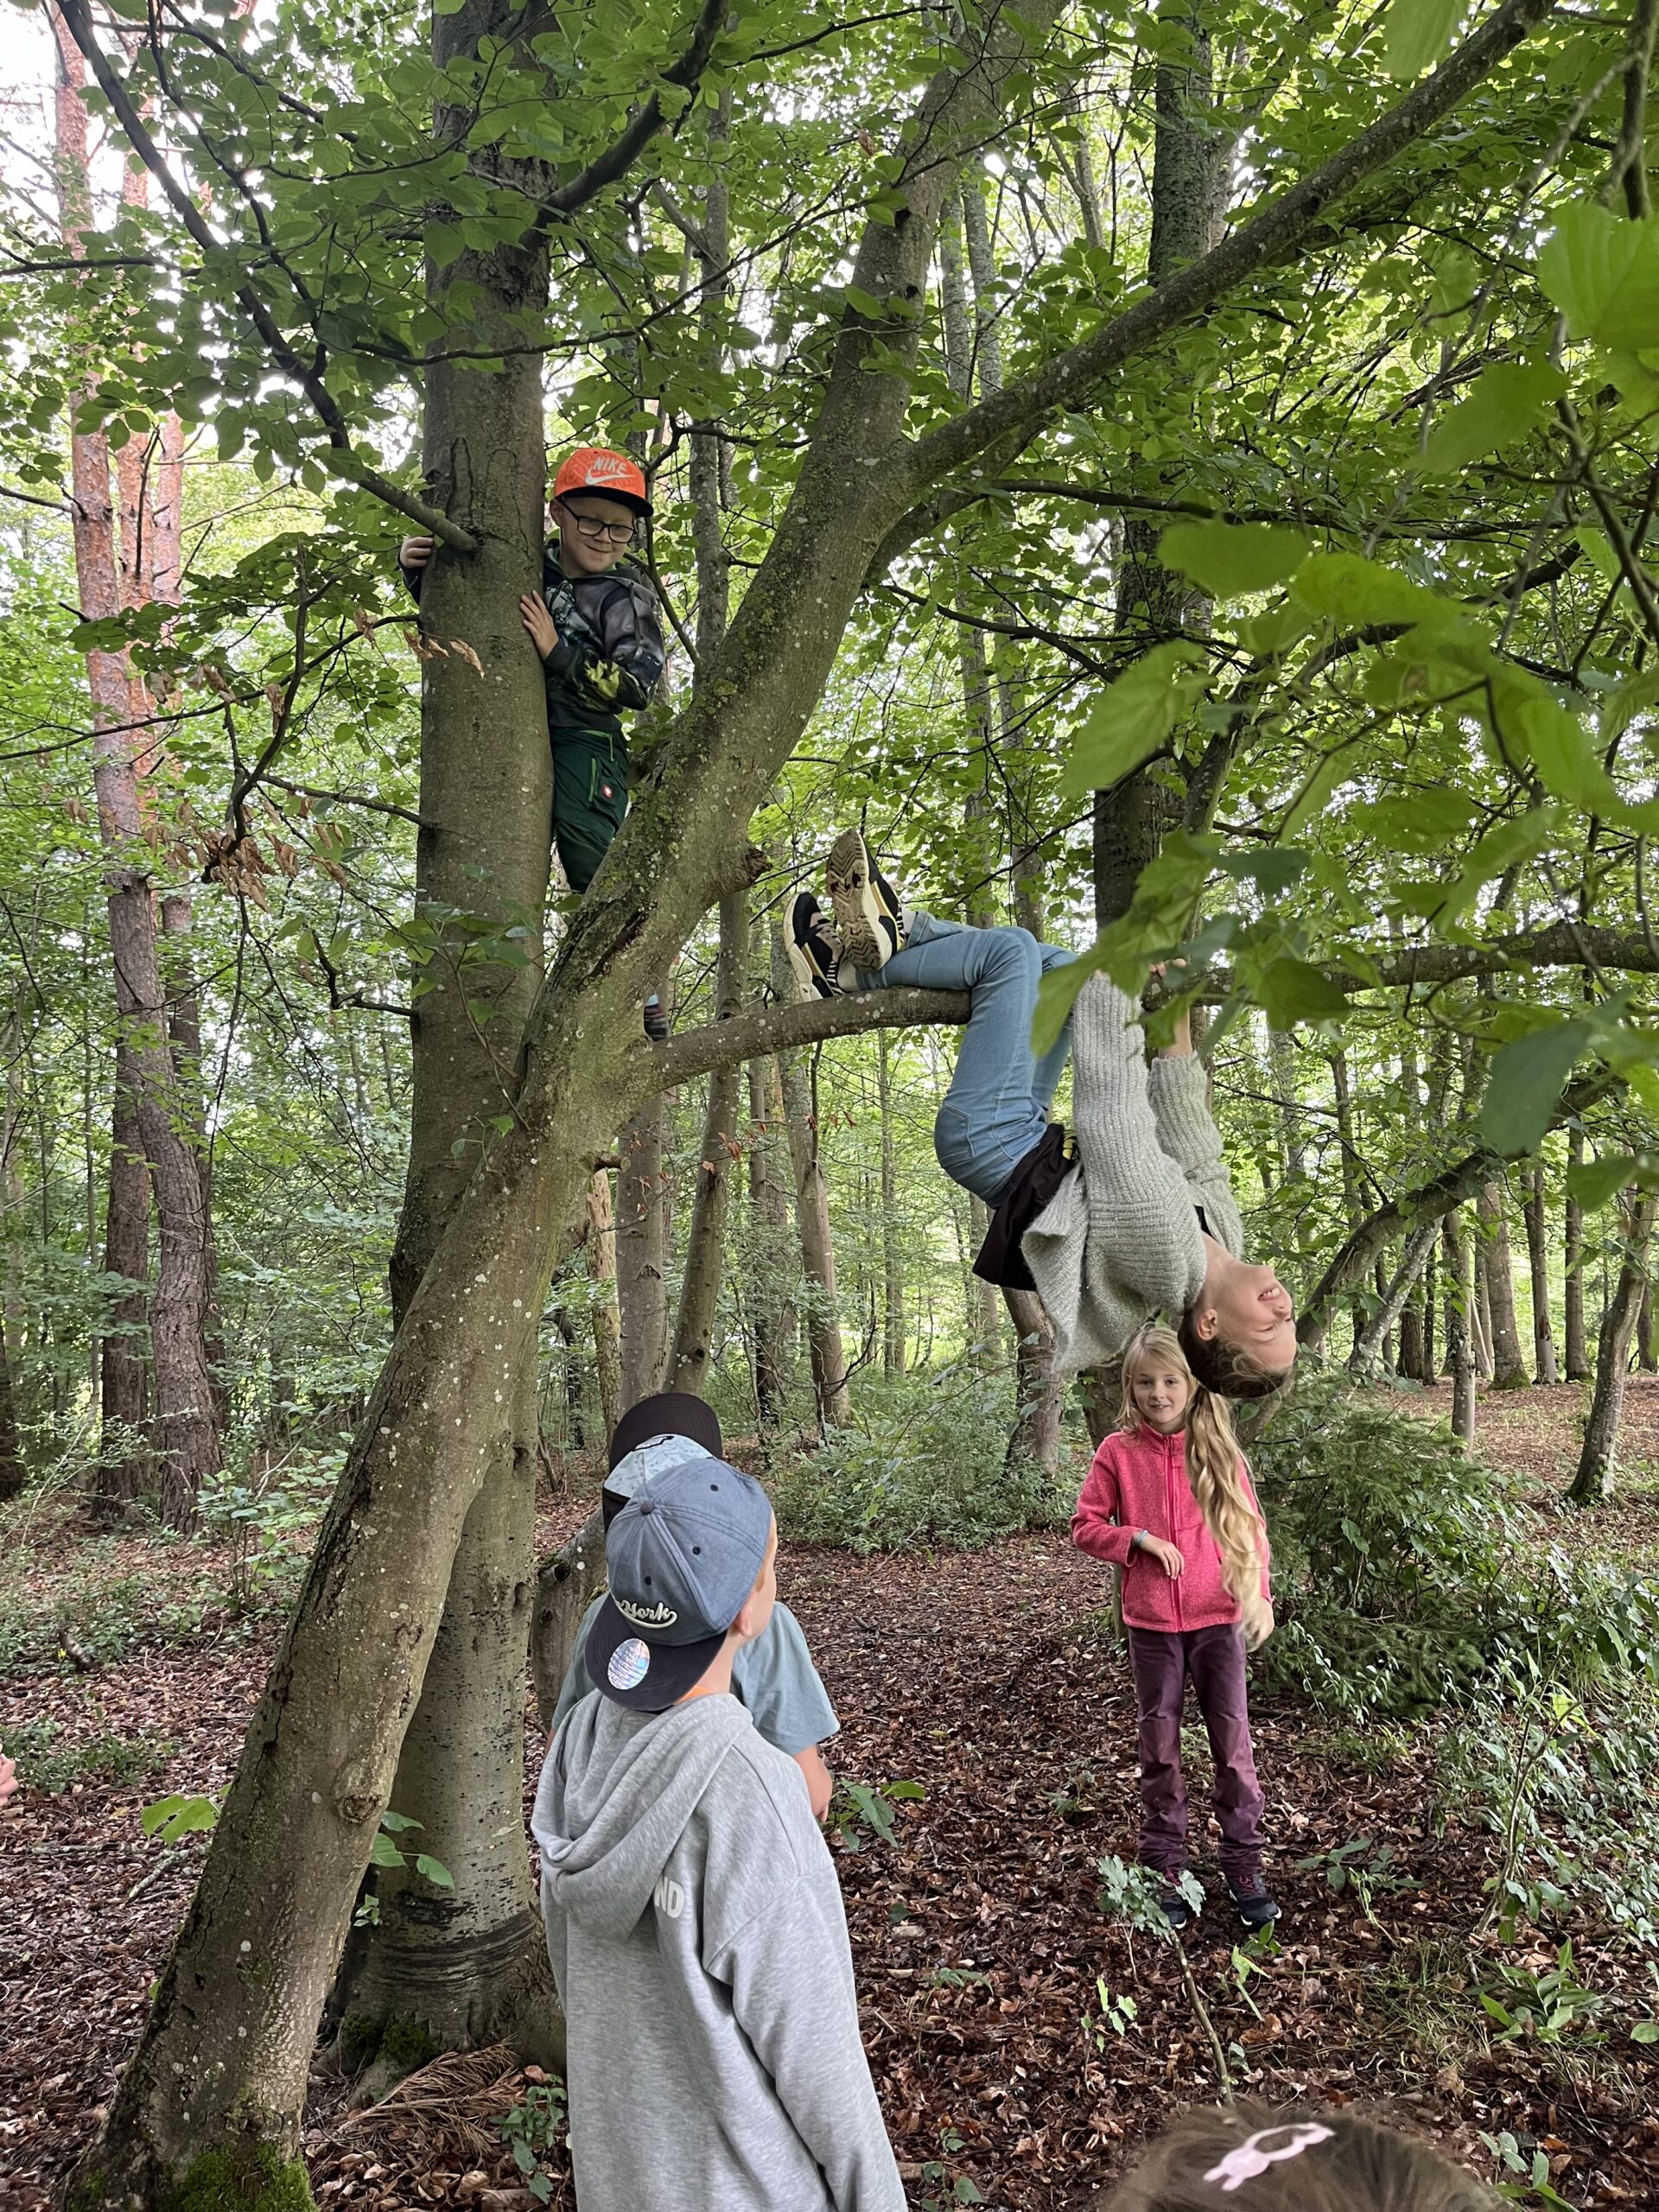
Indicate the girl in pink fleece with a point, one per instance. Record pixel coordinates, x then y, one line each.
1169 1501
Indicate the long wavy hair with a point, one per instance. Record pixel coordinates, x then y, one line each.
1213 1465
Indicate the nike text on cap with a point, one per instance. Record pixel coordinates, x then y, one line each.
683 1556
596 469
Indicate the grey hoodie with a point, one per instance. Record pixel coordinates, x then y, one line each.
697 1937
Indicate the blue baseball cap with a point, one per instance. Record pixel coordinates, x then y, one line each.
683 1556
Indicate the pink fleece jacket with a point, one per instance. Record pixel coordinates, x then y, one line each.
1138 1480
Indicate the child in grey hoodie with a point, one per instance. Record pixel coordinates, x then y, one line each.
693 1916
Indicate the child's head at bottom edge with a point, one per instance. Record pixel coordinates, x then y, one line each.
1249 2158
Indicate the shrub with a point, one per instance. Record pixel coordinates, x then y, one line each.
925 1462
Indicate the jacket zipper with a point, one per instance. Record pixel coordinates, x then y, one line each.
1169 1508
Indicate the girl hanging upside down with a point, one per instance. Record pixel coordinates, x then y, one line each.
1140 1219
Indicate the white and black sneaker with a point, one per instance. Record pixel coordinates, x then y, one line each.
867 912
815 952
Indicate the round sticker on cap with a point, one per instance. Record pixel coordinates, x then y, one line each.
629 1664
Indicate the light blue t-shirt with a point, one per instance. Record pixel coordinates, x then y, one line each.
773 1677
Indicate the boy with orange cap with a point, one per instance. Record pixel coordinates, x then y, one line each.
598 627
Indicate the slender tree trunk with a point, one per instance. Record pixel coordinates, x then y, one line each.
1391 1301
985 1311
1575 1350
1593 1483
125 1467
641 1256
1459 1304
824 1346
463 1966
1644 1353
705 1250
13 1471
1039 1396
1508 1365
600 1240
1543 1339
186 1398
893 1333
773 1324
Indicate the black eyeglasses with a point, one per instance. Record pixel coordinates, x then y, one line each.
599 532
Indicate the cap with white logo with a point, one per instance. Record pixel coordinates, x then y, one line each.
683 1556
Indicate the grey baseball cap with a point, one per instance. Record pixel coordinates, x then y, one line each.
635 1468
683 1556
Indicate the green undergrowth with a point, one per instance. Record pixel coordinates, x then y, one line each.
47 1764
925 1462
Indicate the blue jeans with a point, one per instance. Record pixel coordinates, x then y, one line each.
997 1108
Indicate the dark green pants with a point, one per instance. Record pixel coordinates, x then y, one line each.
590 797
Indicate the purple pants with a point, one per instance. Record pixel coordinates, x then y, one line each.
1161 1660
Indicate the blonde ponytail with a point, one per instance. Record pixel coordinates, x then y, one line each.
1214 1466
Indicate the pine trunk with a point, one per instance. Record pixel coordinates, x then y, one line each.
1592 1484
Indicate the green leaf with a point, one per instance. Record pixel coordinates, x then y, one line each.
1290 991
1504 403
1132 717
1526 1084
1645 2031
1415 34
172 1817
434 1869
385 1852
1504 846
1348 588
394 1823
1592 1183
1228 560
1272 869
1602 271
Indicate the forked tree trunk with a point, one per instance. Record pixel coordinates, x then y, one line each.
1543 1337
1575 1348
463 1966
1593 1482
705 1248
1509 1363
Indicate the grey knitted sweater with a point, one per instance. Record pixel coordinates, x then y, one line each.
1120 1239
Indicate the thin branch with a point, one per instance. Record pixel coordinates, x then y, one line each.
621 155
1276 233
762 1029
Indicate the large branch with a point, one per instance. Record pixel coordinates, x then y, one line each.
1270 238
1429 1202
339 454
783 1028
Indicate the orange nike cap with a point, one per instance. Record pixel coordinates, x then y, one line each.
596 469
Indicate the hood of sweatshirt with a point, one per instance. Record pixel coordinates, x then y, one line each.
615 1796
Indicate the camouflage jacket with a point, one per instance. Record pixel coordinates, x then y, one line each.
610 651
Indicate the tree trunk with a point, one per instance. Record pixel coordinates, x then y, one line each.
894 1335
563 1585
600 1240
985 1307
464 1966
124 1468
773 1322
1575 1350
641 1258
1508 1363
1543 1339
184 1041
186 1399
1459 1303
1391 1301
835 1406
1593 1483
1040 1395
705 1250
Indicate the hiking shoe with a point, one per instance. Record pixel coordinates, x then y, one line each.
1255 1907
865 904
655 1019
815 952
1175 1909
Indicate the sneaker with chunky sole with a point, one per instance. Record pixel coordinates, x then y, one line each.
865 904
1175 1909
815 952
1252 1902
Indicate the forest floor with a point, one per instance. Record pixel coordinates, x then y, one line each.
991 1680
